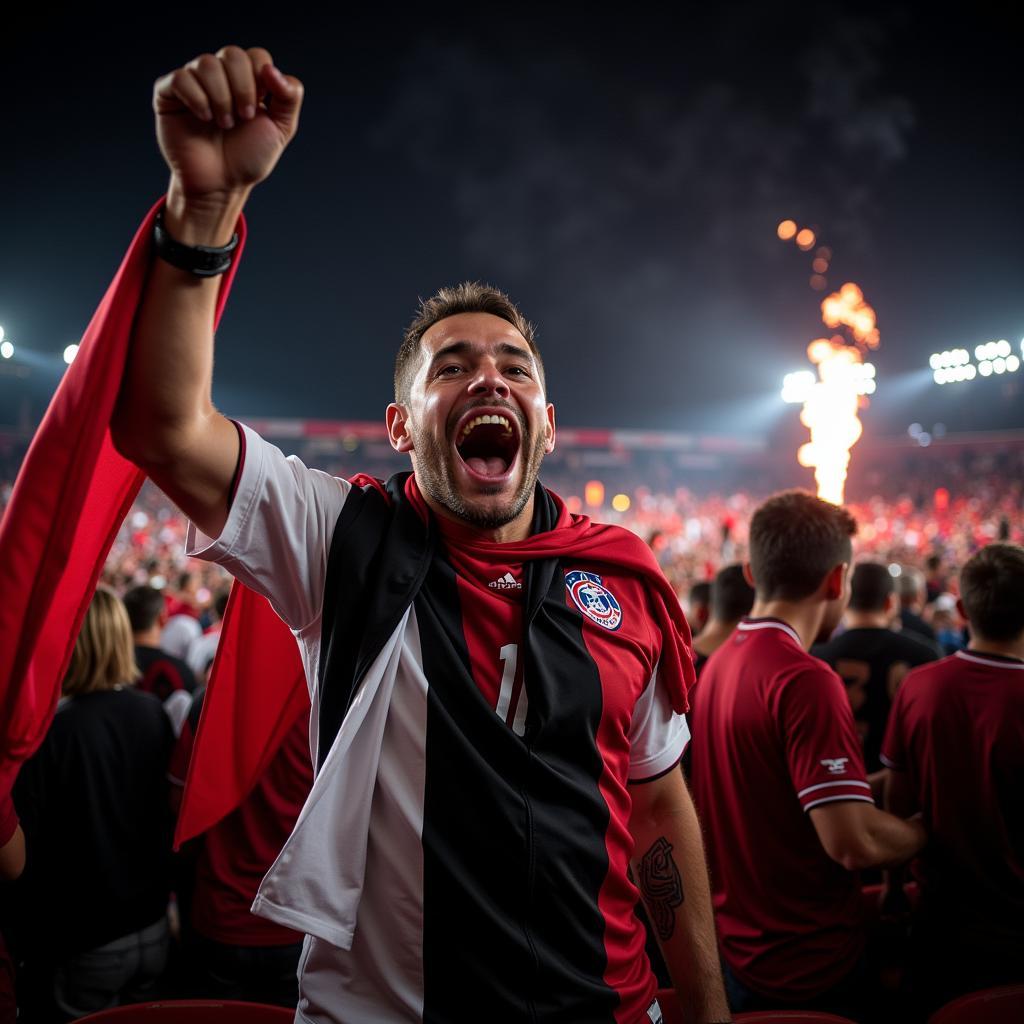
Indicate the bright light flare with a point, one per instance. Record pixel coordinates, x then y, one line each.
830 413
593 494
69 354
6 350
797 387
621 503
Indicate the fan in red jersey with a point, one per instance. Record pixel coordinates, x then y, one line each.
779 780
955 752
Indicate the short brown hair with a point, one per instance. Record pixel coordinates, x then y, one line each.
104 656
796 539
468 297
992 590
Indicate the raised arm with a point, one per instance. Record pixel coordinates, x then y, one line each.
222 123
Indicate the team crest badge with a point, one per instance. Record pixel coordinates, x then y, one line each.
593 599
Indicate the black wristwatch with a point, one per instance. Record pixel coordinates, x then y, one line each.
201 260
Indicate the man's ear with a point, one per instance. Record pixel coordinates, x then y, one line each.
748 575
549 445
834 581
961 609
397 418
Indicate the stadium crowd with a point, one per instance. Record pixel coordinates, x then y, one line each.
937 570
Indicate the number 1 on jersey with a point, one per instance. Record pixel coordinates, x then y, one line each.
509 655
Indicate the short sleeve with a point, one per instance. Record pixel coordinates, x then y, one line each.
657 735
278 533
894 750
823 751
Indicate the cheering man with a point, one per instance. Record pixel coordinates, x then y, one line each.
498 687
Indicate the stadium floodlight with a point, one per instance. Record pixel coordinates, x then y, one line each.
797 387
999 364
1012 364
6 350
985 368
935 360
970 372
940 376
2 334
69 354
1002 348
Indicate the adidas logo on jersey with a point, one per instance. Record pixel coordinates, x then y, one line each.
506 582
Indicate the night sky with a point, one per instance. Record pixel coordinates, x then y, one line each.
621 175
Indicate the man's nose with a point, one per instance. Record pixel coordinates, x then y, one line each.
488 379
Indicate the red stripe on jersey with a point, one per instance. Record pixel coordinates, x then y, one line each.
625 658
491 599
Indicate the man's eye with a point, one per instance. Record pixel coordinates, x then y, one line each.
519 370
446 369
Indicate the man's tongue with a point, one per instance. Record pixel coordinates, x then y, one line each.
492 466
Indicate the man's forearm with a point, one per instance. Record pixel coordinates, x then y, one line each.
672 876
168 379
894 840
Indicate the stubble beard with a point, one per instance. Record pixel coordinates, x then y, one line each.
435 478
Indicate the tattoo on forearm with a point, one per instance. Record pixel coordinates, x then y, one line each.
661 886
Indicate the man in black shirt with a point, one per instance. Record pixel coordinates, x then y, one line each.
162 673
870 657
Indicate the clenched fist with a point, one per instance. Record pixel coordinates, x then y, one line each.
223 121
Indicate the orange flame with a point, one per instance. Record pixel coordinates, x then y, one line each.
847 308
830 413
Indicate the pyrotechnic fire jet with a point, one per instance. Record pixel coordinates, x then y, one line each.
832 398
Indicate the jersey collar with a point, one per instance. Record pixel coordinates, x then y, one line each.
749 625
996 660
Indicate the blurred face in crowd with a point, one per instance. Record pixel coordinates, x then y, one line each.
477 424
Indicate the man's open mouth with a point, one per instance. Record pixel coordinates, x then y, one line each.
488 443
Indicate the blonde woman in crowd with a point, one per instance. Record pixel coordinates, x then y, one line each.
90 922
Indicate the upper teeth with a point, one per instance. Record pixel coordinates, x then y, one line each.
480 420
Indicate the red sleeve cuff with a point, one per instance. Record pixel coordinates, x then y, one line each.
829 792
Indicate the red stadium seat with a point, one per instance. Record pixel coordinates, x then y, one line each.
193 1011
674 1015
990 1006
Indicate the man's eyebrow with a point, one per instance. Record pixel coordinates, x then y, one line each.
461 348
